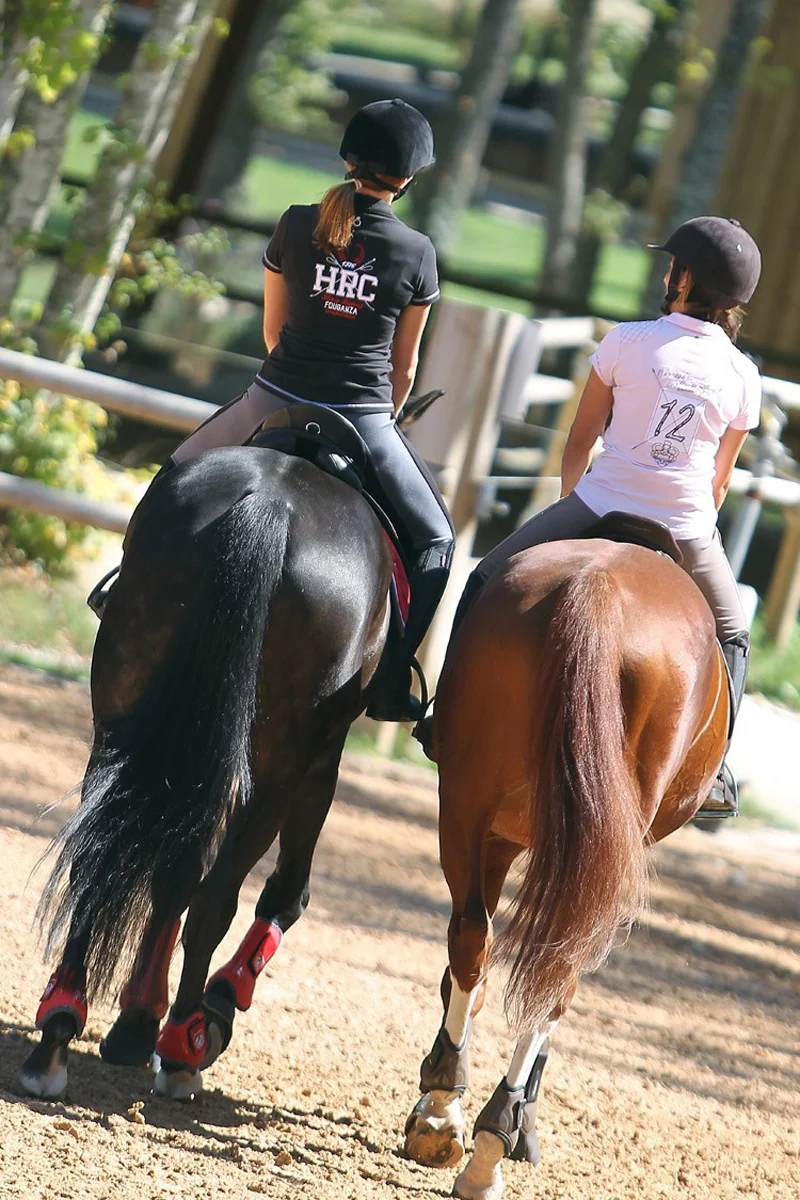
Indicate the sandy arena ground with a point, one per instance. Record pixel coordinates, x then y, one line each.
675 1074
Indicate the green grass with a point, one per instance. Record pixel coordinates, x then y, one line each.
420 49
751 810
46 615
80 156
775 673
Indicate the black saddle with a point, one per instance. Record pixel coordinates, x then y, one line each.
636 531
329 441
321 436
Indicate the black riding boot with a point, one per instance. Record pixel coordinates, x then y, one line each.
723 799
391 698
98 596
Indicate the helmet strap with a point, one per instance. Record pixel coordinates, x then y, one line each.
355 176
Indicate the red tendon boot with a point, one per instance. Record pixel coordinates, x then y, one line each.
241 972
65 993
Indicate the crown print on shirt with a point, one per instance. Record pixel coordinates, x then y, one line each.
345 282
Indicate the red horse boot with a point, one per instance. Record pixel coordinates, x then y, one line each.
131 1040
61 1016
232 986
182 1048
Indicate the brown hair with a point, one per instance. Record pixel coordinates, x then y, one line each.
337 214
702 304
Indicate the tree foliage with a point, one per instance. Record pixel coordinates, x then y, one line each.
290 90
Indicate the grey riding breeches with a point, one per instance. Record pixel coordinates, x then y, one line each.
397 476
703 558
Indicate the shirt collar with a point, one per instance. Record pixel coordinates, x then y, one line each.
694 324
372 204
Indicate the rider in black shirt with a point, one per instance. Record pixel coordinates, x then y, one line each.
347 291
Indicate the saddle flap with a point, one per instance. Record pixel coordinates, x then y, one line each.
636 531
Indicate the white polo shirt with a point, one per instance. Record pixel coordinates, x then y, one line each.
678 382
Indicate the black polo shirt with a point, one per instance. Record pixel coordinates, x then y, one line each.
342 308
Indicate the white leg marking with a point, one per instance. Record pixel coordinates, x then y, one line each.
482 1177
178 1085
47 1085
525 1054
459 1010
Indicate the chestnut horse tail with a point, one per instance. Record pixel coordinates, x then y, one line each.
586 875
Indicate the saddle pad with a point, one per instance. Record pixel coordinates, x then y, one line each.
400 588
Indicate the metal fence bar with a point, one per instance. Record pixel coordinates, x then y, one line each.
117 395
38 497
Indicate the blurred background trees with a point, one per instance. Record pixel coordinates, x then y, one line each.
148 149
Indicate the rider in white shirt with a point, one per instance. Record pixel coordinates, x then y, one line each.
673 400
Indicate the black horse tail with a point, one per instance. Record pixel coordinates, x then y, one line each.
163 779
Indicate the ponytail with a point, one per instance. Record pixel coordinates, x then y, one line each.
337 216
702 305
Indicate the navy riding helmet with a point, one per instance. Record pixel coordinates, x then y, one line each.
388 137
722 256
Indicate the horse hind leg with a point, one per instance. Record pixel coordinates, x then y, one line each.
201 1021
131 1040
61 1016
191 1038
283 900
434 1131
506 1126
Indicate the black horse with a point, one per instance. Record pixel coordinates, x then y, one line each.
235 652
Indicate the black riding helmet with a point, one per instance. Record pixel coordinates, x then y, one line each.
722 257
388 137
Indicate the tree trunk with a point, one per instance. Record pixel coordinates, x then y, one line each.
614 171
568 158
465 127
705 155
13 77
103 227
237 123
31 177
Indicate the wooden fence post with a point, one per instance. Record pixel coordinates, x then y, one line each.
783 598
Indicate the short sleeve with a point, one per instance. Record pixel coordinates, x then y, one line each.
749 414
426 284
605 358
273 255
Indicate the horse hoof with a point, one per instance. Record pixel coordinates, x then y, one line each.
44 1085
177 1084
435 1138
466 1190
44 1072
131 1040
482 1177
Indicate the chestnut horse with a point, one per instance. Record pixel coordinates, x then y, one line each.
581 715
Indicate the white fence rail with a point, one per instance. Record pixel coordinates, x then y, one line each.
475 449
37 497
117 395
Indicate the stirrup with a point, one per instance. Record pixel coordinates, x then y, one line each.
723 799
393 707
98 596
